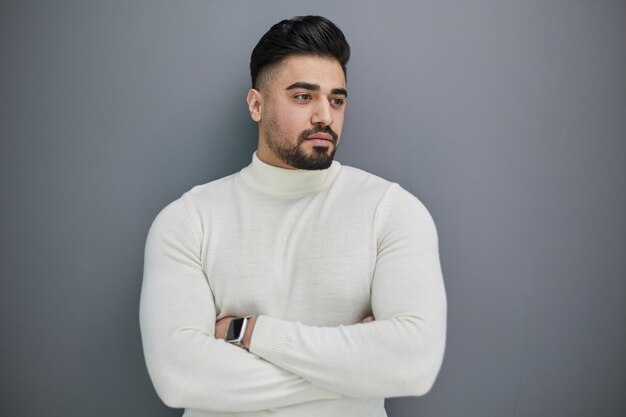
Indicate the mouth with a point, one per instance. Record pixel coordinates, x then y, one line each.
320 139
320 136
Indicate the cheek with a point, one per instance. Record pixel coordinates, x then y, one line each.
338 123
293 121
288 120
276 130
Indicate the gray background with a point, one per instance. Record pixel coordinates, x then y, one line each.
507 119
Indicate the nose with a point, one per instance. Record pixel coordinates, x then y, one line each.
323 113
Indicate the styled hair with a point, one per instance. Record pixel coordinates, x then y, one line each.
302 35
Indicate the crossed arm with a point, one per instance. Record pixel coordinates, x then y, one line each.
398 354
221 328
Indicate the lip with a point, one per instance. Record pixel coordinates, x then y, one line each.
320 136
320 139
320 142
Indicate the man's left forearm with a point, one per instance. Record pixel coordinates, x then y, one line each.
397 356
221 328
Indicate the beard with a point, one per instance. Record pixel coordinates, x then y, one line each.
295 155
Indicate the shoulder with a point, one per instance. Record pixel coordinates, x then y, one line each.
395 201
212 190
189 206
403 212
200 198
364 182
391 192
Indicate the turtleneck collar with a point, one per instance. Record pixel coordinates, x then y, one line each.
283 182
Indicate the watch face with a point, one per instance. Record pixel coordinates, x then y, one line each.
234 330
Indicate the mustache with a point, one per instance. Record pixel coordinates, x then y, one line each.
318 129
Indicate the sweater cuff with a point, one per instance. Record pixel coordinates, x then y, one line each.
269 337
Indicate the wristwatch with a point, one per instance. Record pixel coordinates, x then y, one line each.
236 330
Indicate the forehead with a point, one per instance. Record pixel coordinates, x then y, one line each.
324 71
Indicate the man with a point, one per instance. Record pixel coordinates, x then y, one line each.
297 286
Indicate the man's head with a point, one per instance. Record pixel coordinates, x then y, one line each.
298 92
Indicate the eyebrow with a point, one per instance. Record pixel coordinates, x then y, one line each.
315 87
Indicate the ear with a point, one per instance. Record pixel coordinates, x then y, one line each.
254 100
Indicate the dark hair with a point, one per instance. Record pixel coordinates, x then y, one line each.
302 35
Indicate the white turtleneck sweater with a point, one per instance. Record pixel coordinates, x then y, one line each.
312 253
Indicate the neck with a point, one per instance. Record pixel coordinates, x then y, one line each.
287 182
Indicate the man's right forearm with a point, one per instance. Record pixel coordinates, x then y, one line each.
195 370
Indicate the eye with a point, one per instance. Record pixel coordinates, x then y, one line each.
337 102
303 97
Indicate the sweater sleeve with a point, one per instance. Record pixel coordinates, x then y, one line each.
398 354
188 366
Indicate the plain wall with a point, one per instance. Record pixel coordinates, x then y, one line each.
506 118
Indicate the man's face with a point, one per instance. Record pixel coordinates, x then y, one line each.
300 111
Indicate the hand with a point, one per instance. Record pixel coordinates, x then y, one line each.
221 327
367 319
